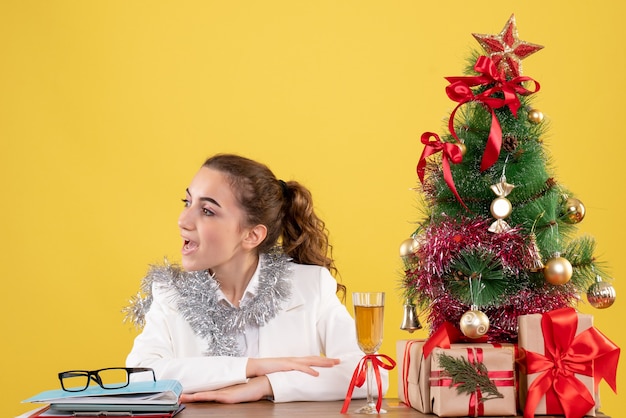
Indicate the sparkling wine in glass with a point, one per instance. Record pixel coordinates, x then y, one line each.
368 314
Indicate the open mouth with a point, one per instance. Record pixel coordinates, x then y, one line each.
189 246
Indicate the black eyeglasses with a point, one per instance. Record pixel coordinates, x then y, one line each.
109 378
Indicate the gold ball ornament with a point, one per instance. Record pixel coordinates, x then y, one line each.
501 208
573 211
474 323
557 270
535 116
601 294
408 247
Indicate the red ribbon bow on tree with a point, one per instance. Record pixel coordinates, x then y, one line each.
360 375
566 354
450 152
460 90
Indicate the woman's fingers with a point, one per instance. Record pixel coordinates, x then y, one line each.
305 364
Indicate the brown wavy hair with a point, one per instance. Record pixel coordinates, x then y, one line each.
285 208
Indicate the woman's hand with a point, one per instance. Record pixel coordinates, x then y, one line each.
255 389
263 366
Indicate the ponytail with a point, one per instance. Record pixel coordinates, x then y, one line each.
304 235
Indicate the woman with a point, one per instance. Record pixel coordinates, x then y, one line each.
253 313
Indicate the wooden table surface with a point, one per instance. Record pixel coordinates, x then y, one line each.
394 408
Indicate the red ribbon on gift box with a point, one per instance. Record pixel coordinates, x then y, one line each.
476 405
460 90
445 335
567 354
406 363
360 375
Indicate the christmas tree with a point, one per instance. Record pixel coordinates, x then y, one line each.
498 236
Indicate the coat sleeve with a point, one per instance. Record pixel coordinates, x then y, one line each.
169 346
336 334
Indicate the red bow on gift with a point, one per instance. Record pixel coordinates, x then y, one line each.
360 375
460 90
446 335
567 354
450 152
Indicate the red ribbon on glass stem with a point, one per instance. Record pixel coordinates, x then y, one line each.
450 152
360 376
460 90
567 354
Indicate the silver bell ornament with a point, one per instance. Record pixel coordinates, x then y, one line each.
601 294
410 322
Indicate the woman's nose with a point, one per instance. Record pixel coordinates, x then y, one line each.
184 220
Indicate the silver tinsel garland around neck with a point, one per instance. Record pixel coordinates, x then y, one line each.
197 301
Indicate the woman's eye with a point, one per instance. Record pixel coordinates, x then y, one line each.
186 202
207 212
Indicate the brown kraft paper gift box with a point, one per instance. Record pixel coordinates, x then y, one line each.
530 338
500 364
414 371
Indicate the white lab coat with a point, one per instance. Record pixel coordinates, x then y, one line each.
312 322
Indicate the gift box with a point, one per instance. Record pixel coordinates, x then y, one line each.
565 358
413 373
479 380
414 369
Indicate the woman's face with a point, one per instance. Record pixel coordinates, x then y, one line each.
211 224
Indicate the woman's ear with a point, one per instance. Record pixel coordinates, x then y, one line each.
255 236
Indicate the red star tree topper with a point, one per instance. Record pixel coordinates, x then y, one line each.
506 50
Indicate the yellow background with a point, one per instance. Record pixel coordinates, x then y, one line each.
107 109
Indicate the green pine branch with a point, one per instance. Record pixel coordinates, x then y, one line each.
487 276
466 377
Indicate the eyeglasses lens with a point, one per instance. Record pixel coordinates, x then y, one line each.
75 381
113 378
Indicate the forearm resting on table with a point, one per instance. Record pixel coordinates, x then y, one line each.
258 386
255 389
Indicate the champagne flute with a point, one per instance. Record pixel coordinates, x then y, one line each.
368 313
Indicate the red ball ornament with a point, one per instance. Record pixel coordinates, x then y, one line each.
557 270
